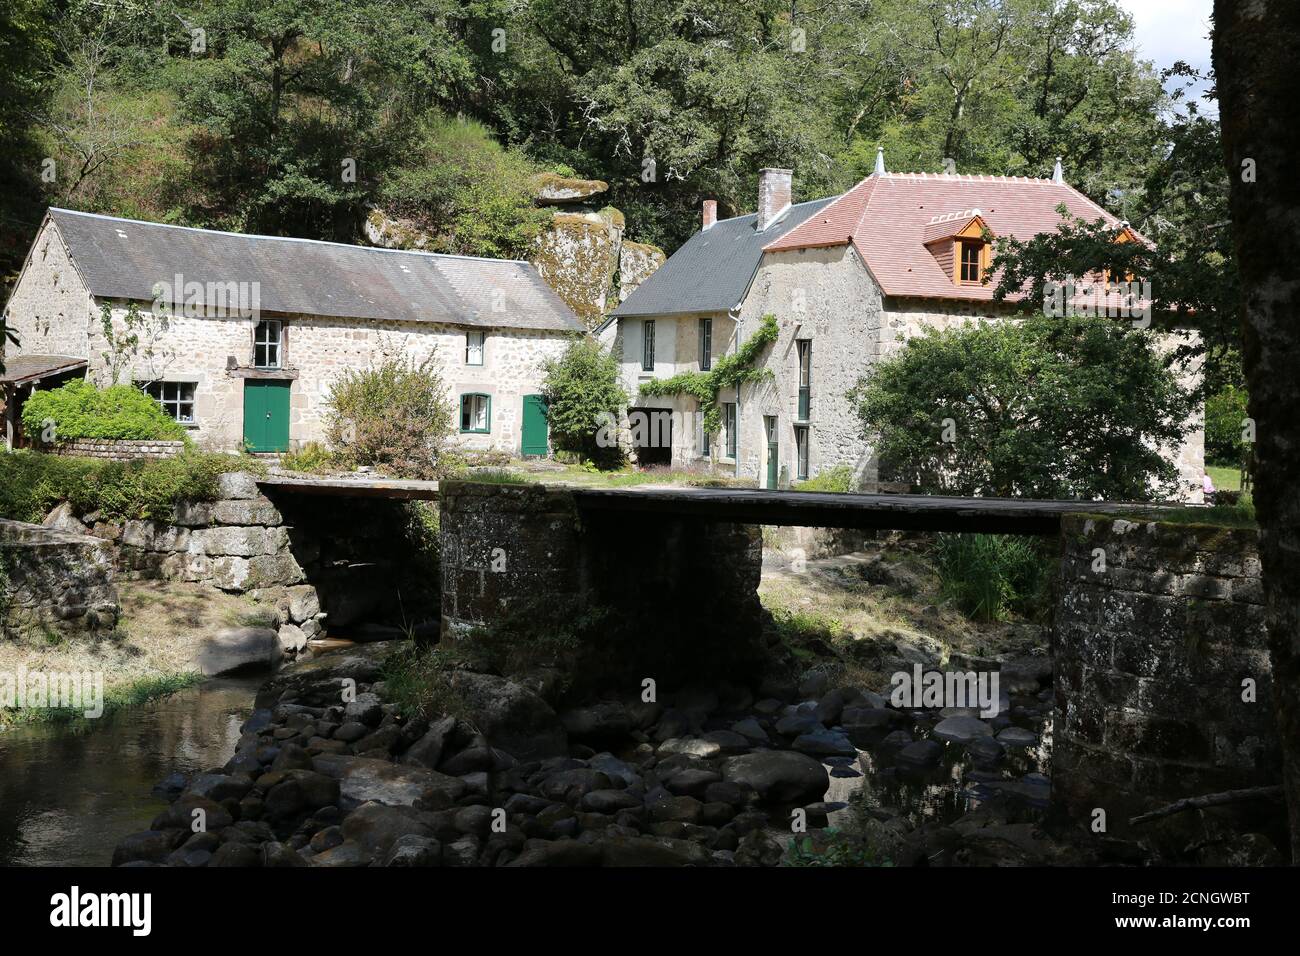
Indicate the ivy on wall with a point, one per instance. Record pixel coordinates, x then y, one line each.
727 372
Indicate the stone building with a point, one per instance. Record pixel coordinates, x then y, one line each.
849 279
239 337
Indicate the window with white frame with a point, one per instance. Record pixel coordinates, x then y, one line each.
801 449
266 344
474 341
729 426
476 413
176 399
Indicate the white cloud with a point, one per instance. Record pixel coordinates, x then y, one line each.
1170 30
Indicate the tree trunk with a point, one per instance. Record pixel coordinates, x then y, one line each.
1254 63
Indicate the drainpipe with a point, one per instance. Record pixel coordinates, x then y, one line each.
734 314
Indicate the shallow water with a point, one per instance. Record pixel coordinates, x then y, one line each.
69 793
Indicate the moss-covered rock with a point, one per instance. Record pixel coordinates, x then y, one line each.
556 190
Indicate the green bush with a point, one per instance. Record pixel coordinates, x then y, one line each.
990 575
839 479
1224 414
80 410
584 397
312 457
471 195
1043 408
32 483
394 417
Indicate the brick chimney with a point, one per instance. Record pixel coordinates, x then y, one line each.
710 213
773 195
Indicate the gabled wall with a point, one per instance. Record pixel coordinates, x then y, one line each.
50 310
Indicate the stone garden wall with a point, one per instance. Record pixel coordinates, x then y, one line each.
53 581
1151 652
116 449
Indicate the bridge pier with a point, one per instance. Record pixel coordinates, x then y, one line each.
676 598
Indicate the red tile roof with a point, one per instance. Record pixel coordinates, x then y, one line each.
888 218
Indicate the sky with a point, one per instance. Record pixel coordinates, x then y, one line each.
1170 30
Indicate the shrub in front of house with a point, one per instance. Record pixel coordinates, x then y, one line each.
1042 408
394 417
80 410
583 393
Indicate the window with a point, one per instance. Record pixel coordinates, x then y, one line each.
648 345
805 376
801 449
474 347
266 345
706 344
476 413
705 439
176 399
971 254
729 426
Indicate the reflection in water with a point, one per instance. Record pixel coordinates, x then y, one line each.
69 794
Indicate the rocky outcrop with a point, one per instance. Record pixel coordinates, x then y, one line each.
555 190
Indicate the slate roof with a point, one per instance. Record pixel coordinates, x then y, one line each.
19 369
889 217
125 258
712 270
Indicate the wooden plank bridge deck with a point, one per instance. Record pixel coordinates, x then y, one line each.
893 512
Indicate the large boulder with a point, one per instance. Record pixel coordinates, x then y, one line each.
512 717
239 649
779 776
365 779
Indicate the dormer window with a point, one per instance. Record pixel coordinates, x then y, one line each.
971 265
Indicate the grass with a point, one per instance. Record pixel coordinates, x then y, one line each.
1240 514
32 483
1225 477
988 576
150 654
839 479
496 476
134 693
418 681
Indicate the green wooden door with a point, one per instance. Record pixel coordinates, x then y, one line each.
266 415
773 450
535 427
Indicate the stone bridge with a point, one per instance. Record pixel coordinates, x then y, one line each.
1160 661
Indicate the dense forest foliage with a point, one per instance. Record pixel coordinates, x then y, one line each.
296 116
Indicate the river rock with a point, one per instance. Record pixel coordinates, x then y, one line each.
511 716
239 649
1016 738
962 730
620 850
376 827
414 850
782 776
921 754
365 779
606 721
825 743
149 846
428 750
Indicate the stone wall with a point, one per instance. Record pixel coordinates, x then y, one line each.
50 311
291 554
318 350
1151 654
54 581
116 449
678 599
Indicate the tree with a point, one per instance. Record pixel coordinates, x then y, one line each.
1254 66
470 194
394 416
1044 408
584 394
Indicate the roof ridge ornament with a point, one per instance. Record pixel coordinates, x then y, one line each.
1057 175
880 161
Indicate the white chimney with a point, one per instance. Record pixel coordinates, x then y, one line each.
880 161
710 213
773 195
1057 175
